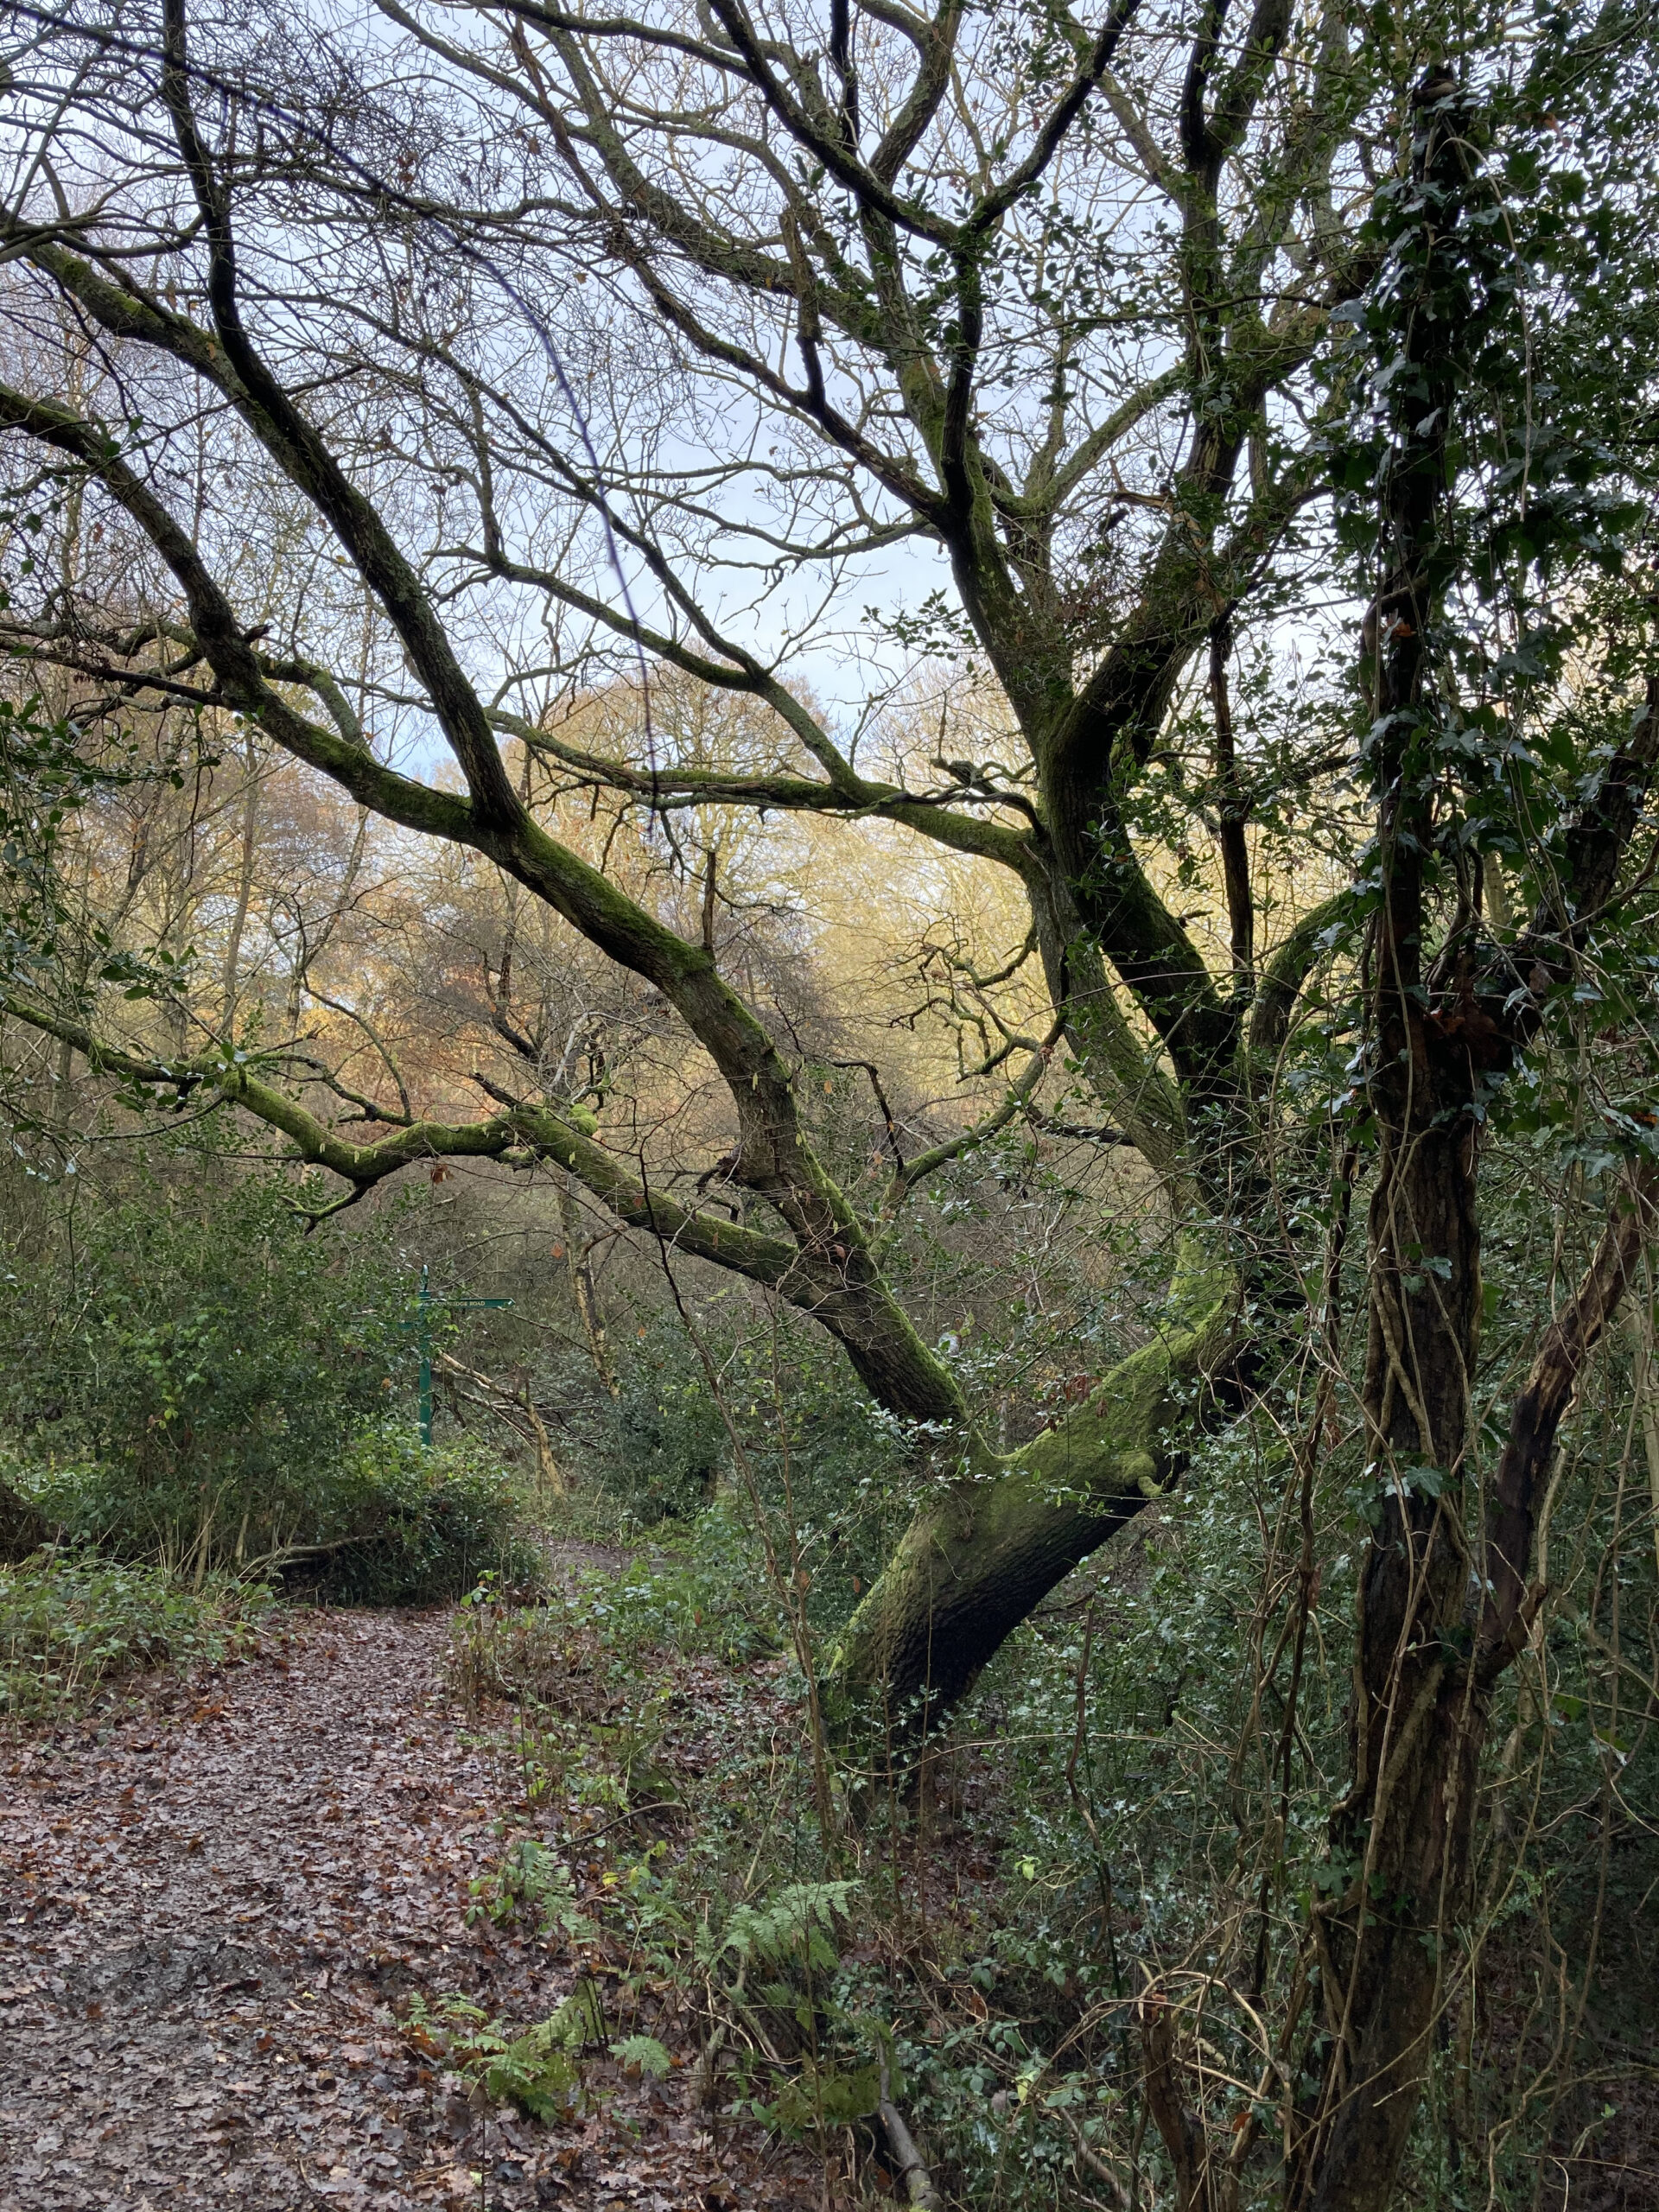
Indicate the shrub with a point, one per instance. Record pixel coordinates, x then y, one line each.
200 1364
392 1522
400 1523
194 1380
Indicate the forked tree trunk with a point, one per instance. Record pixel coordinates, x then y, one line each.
1421 1710
1444 1602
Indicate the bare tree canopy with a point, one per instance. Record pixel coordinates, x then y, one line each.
538 348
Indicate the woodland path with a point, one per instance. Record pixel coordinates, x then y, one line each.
210 1895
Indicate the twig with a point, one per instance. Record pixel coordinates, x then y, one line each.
1091 2157
552 1474
918 2183
633 1812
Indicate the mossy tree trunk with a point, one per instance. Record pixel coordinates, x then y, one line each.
982 1553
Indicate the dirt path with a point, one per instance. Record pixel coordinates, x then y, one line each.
206 1909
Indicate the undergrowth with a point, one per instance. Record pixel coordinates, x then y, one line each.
1108 1824
388 1522
70 1622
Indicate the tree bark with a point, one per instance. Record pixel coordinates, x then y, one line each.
1400 1840
996 1538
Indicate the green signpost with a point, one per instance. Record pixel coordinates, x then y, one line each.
424 1301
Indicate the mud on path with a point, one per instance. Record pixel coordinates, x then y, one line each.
208 1901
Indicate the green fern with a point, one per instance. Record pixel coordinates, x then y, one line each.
643 2055
799 1921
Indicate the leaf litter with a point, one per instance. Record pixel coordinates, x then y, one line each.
219 1903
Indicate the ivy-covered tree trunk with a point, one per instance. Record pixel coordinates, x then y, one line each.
1401 1839
1445 1599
